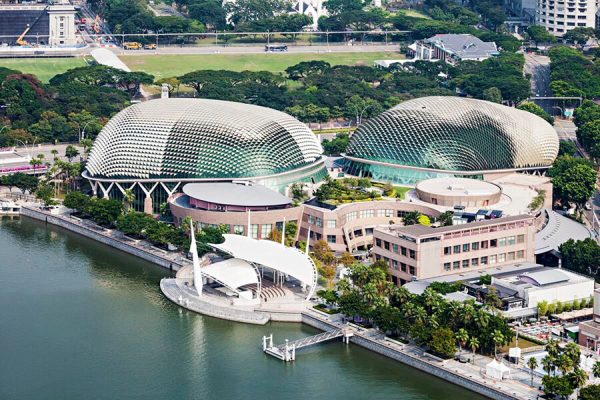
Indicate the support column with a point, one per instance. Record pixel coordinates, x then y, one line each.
148 209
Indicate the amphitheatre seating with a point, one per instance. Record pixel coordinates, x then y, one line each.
269 290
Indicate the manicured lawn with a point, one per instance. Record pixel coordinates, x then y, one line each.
43 68
415 14
162 65
401 191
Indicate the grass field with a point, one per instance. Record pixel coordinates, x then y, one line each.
43 68
173 65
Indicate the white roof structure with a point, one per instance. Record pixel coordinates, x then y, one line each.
273 255
238 194
497 370
232 273
558 229
108 58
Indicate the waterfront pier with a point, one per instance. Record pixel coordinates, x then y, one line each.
287 351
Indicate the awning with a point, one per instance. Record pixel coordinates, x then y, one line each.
232 273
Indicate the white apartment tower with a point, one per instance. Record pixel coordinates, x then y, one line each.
560 16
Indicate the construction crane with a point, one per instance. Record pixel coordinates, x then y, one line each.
20 40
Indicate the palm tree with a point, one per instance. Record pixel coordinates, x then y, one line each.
462 336
482 318
564 363
573 352
128 198
468 312
552 348
579 378
54 154
596 369
474 345
498 338
548 364
532 364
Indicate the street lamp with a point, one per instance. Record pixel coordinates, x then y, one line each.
82 132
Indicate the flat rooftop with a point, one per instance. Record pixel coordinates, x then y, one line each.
457 187
235 194
418 230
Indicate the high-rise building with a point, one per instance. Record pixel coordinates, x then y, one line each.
560 16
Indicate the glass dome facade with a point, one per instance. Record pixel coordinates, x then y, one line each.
202 139
439 136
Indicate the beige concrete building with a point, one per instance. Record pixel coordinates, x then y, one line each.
421 252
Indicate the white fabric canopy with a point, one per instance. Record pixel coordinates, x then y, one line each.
287 260
232 273
497 370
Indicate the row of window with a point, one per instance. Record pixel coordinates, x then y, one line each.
486 260
395 248
318 221
351 216
484 244
398 266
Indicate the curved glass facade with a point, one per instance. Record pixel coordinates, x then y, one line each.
200 138
437 134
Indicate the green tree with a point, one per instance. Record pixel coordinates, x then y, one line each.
574 180
492 94
474 345
71 152
77 201
424 220
579 35
591 392
134 223
104 211
442 342
542 307
539 34
596 369
45 192
567 147
532 365
411 218
209 12
535 109
462 337
498 339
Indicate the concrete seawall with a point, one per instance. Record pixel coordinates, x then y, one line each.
76 227
398 353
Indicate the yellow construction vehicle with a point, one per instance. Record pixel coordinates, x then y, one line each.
150 46
20 40
132 45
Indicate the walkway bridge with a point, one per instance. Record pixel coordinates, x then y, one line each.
287 351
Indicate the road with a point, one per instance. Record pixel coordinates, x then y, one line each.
539 69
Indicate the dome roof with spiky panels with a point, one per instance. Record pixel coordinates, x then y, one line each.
200 138
456 134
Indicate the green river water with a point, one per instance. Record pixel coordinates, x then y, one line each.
79 320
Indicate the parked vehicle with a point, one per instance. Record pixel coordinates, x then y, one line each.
132 46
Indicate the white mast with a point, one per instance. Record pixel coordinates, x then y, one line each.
249 233
283 233
196 261
307 241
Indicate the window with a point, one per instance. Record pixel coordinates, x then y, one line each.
265 229
351 216
331 238
475 246
494 243
447 250
501 258
484 244
493 259
377 242
520 254
447 266
395 264
466 247
474 262
502 242
510 256
456 249
369 231
484 260
412 254
395 248
358 233
386 245
319 222
411 270
254 231
465 263
403 267
510 240
520 238
311 219
456 265
331 223
367 213
238 229
385 213
403 251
